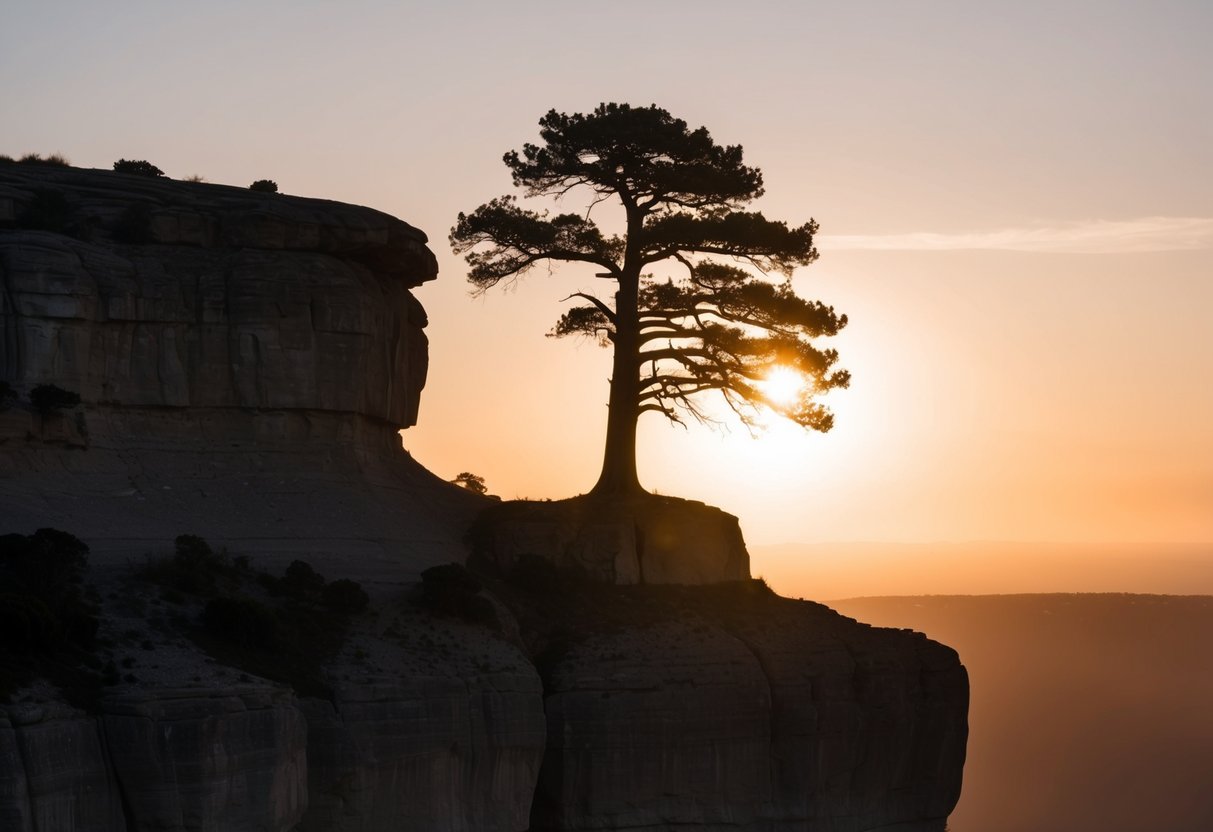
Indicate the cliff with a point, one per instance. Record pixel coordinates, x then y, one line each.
245 362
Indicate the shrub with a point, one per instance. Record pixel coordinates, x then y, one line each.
472 482
265 186
42 606
134 224
4 157
140 167
194 568
52 159
47 398
7 395
193 177
345 597
300 577
242 621
451 590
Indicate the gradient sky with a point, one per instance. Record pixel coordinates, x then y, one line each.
1014 201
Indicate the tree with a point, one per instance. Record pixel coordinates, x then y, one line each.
472 482
139 167
719 326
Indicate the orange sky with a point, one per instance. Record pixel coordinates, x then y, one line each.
1014 204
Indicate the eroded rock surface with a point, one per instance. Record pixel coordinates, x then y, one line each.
732 708
245 361
233 761
641 539
54 772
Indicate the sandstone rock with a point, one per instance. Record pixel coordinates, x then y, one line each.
245 361
228 762
643 539
771 714
54 774
426 753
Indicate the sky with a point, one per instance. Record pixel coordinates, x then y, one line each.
1014 204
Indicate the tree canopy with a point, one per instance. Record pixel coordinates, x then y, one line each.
722 324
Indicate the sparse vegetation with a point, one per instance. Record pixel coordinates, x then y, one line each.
50 159
345 597
242 621
49 398
450 589
139 167
471 482
193 177
46 621
265 186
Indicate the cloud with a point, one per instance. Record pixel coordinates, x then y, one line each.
1089 237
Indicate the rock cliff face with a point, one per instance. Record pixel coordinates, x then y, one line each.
245 362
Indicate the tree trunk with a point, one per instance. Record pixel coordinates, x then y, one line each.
619 458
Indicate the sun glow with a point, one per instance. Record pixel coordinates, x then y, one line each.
782 386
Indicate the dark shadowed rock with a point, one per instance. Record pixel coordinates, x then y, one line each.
245 361
640 539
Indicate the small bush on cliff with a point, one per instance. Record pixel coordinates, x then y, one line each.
50 159
301 578
139 167
43 605
241 620
49 398
345 597
450 589
265 186
194 568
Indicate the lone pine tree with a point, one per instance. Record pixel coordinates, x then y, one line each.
718 326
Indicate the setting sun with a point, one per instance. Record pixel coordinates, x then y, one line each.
782 386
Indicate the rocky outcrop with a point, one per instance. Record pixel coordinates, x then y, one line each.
245 362
54 772
150 293
763 713
639 539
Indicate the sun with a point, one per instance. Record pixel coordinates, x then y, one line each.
782 386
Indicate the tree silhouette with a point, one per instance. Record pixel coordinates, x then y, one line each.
718 325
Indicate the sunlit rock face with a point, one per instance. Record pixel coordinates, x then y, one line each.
245 361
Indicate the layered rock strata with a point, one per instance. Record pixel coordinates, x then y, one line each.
639 539
731 708
245 361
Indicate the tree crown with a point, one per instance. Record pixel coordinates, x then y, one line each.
717 327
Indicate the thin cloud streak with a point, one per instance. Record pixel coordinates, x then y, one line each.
1091 237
